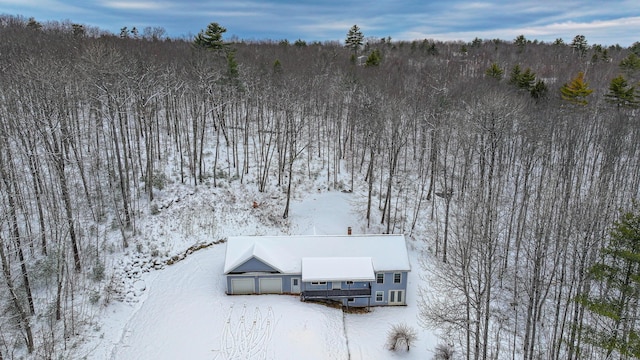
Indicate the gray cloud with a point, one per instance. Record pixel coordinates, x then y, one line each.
606 23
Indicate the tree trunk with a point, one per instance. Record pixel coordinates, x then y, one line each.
22 314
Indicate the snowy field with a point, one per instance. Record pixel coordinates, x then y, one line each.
182 312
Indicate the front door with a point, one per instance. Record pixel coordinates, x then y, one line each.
295 285
396 297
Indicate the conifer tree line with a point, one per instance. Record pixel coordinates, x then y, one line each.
520 155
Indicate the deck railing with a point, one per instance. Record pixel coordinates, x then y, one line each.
336 293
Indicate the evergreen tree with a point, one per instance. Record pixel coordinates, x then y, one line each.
576 91
526 80
374 58
621 93
635 48
432 49
211 38
354 39
520 42
615 292
539 90
495 71
515 75
579 44
78 30
631 63
233 75
277 67
33 24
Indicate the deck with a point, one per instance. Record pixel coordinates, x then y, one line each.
336 293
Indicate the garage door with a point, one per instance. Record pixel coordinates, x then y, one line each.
242 286
271 286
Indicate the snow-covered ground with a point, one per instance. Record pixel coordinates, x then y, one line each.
182 312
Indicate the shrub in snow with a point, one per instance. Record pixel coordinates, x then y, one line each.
98 272
159 180
401 335
94 297
154 209
443 352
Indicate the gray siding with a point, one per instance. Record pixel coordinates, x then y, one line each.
385 288
253 265
357 302
286 281
389 285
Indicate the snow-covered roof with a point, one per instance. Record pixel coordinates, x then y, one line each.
337 269
285 253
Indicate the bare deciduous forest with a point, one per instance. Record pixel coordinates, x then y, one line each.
519 154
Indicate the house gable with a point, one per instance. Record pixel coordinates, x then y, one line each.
253 264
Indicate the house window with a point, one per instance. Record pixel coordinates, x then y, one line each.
379 296
397 278
380 278
349 282
351 299
318 283
295 282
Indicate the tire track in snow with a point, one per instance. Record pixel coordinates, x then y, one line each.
248 339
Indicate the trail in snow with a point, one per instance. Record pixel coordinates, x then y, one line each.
325 213
247 336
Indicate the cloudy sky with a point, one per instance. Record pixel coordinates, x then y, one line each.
605 22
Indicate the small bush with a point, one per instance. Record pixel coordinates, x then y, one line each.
154 209
443 352
221 174
159 180
401 335
98 272
94 297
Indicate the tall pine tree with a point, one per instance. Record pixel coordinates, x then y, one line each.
621 94
576 91
579 44
495 71
614 295
354 39
211 38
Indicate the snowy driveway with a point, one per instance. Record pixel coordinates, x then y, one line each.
184 313
187 316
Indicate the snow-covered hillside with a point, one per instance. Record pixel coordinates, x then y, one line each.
182 312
